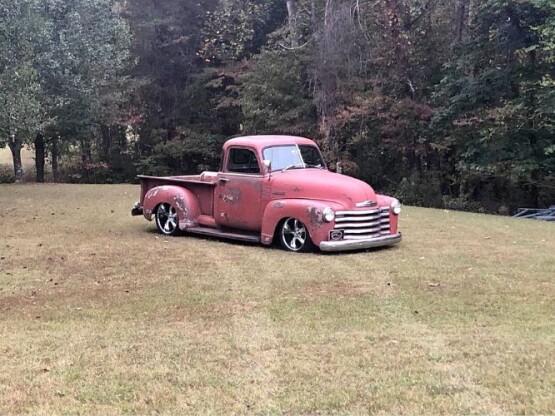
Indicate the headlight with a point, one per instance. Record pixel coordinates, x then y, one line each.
328 215
396 207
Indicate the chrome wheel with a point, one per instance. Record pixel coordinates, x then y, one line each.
294 235
166 219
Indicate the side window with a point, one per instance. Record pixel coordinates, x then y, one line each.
242 161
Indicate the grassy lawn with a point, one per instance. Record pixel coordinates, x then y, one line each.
99 314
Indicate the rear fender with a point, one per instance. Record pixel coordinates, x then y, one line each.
184 201
309 212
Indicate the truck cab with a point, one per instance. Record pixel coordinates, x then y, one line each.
273 188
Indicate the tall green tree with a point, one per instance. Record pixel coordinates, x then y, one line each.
82 69
498 111
20 92
61 65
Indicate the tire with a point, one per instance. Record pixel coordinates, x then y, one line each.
293 236
167 220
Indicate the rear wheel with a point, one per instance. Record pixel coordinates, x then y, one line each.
166 219
294 236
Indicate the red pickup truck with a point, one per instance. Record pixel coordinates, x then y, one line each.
268 188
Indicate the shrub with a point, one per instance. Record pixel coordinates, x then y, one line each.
462 204
420 191
6 174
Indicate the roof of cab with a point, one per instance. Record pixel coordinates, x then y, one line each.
261 142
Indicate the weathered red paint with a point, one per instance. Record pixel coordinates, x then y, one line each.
184 201
255 204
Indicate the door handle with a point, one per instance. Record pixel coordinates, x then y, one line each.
224 180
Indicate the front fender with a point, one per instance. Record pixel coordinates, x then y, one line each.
309 212
385 201
184 201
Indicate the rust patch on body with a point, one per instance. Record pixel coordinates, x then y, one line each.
266 191
180 204
315 216
234 196
279 204
187 219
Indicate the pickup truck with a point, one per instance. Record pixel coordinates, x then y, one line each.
272 188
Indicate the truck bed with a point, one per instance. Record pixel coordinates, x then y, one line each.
201 185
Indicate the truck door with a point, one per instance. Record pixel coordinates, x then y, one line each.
238 191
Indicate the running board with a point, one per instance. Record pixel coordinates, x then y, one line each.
251 238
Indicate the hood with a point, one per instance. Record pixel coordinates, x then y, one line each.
321 185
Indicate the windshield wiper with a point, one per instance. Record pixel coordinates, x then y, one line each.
294 166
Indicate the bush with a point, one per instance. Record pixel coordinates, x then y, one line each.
152 166
187 154
422 191
462 204
29 174
6 174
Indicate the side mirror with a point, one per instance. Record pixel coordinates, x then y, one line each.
267 165
267 168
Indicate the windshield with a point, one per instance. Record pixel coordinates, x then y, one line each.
293 157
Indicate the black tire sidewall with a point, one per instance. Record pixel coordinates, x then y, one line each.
306 247
160 229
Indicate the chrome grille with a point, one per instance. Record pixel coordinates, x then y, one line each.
363 224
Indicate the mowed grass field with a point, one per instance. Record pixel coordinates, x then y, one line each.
99 314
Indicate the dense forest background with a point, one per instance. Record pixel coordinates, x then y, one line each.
444 103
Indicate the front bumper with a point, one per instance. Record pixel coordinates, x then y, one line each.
345 245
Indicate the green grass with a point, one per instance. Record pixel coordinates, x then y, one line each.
99 314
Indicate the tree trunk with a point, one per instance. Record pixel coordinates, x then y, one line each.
106 142
461 23
39 157
15 146
292 11
122 138
86 151
314 22
394 16
55 158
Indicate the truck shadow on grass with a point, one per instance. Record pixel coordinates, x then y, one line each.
275 246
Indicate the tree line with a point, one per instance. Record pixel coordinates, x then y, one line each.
445 103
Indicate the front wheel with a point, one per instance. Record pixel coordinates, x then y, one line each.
294 236
166 219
